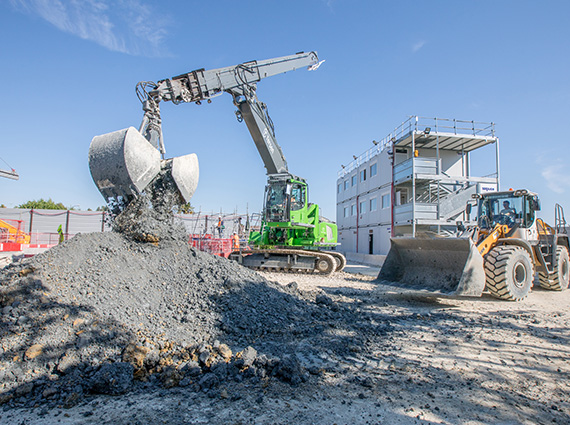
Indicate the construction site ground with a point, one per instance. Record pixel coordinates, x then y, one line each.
417 360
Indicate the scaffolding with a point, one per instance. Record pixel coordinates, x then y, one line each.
417 179
433 182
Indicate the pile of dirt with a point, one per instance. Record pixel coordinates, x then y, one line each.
105 312
94 313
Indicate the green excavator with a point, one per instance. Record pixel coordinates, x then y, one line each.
125 163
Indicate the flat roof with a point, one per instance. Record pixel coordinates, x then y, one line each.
454 135
447 141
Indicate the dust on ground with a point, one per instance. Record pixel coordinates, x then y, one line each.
137 327
393 357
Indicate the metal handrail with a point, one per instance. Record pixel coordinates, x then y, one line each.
559 219
417 123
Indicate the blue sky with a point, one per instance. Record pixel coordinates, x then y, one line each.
69 69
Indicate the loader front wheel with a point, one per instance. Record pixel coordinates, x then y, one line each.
558 280
509 272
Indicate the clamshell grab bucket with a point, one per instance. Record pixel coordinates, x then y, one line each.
123 163
442 266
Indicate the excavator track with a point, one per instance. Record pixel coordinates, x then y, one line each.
290 260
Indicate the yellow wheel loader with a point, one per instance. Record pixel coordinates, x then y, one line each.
501 253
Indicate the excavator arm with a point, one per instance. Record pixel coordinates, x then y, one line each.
122 164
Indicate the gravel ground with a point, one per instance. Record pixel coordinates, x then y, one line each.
351 351
137 327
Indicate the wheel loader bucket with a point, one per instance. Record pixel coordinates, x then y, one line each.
123 163
442 266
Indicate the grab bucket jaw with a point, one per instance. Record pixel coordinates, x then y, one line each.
123 163
442 266
185 172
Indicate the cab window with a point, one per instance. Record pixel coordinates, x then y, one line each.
528 212
297 196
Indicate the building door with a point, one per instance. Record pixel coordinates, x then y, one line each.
371 243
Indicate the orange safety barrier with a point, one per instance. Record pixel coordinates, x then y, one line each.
215 246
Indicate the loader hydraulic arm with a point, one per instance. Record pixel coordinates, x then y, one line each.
489 241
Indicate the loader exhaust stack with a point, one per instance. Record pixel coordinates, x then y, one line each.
443 266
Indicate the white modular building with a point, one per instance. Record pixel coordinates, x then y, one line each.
417 179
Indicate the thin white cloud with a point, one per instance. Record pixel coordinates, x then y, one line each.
554 172
126 26
417 46
557 177
329 4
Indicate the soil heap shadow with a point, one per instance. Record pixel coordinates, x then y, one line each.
103 312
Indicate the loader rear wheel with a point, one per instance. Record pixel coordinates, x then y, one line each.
557 280
325 265
509 272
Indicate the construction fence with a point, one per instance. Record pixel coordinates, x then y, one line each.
42 225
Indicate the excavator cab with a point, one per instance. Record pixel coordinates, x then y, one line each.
285 199
284 210
277 200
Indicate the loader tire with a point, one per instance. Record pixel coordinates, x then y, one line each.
509 272
557 280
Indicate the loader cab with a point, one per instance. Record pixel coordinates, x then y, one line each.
511 208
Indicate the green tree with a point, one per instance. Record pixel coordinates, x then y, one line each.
186 208
42 204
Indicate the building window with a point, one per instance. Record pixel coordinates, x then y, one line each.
363 175
346 211
385 201
362 207
353 209
346 185
373 206
339 188
373 170
354 180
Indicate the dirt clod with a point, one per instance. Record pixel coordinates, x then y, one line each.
186 337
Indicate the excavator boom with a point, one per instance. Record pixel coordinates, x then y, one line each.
200 85
125 162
